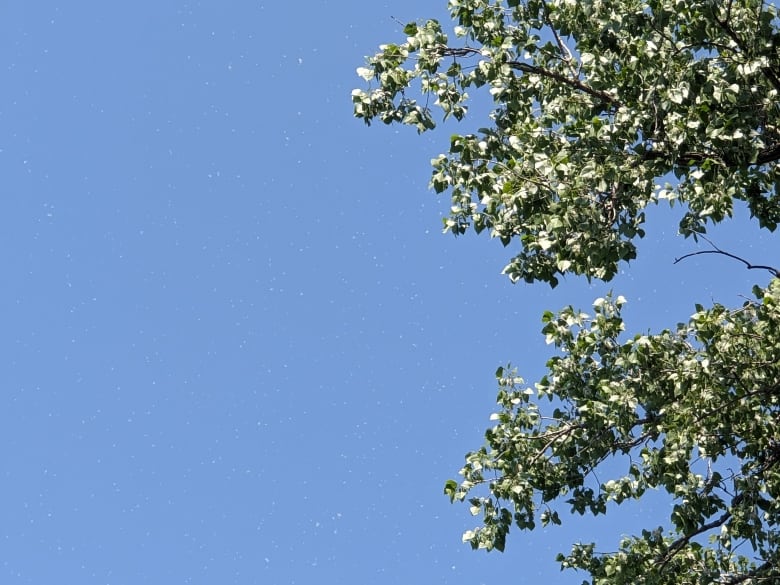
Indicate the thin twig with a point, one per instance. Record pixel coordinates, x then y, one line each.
565 52
773 271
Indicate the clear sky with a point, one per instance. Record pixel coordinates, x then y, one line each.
236 347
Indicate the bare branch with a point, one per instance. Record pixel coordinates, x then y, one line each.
773 271
565 52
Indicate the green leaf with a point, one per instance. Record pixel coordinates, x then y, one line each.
451 489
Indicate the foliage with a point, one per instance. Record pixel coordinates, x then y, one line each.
594 102
601 108
667 408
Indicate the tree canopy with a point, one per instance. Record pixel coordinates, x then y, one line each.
601 108
594 102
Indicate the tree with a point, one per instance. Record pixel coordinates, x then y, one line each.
600 109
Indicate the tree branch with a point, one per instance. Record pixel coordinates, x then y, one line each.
533 69
765 156
726 26
575 83
770 154
675 547
773 271
768 565
565 52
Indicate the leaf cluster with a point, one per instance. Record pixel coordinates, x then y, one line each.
694 412
595 105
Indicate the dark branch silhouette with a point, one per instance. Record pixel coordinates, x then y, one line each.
773 271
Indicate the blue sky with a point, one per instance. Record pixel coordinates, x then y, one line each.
236 346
